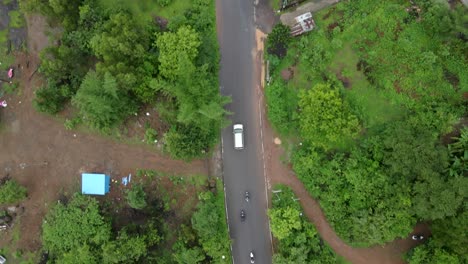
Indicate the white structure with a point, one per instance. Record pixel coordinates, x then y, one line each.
304 23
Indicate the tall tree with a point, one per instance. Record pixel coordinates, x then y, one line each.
177 52
101 103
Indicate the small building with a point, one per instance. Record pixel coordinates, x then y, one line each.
95 184
304 23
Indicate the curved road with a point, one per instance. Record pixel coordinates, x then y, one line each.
243 169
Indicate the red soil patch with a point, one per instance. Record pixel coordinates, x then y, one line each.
287 74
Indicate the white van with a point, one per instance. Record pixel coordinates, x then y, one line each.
238 130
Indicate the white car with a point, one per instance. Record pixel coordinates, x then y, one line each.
2 259
238 131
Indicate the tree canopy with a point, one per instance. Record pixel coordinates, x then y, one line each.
140 64
324 118
379 96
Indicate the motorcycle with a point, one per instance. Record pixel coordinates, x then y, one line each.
247 196
242 215
252 258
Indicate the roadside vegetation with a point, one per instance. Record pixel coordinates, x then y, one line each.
297 238
112 59
374 99
154 227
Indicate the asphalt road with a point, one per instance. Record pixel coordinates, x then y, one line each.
243 169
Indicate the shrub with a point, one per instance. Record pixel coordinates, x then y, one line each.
136 197
151 136
11 192
188 142
50 99
282 104
16 19
72 123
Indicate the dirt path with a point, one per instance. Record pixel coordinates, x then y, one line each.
42 155
279 173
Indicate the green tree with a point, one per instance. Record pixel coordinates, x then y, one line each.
11 192
50 98
177 48
450 233
136 197
120 40
124 249
122 46
298 240
69 226
278 40
325 119
430 254
284 221
102 105
79 255
460 22
185 255
210 224
458 152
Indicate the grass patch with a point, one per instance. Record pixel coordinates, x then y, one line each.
3 36
16 19
6 59
372 106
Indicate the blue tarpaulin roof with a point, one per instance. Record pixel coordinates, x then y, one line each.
93 183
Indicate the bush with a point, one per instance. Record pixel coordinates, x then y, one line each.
188 142
11 192
163 3
16 19
50 99
72 123
136 197
151 136
209 221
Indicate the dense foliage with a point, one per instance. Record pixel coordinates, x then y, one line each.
282 104
11 192
381 87
298 239
102 105
83 230
77 230
209 221
109 62
278 40
324 119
